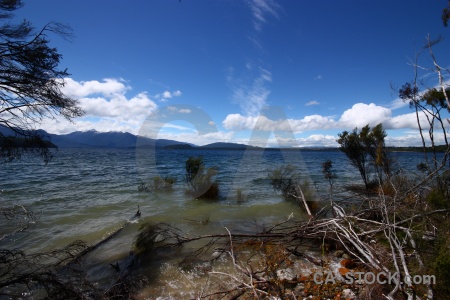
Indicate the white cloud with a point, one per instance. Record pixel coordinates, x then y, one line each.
358 115
362 114
252 97
313 122
414 139
195 138
239 122
118 106
107 87
179 110
211 123
405 121
398 103
261 9
106 106
318 140
315 140
312 102
166 95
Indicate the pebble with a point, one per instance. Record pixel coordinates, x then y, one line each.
348 294
286 274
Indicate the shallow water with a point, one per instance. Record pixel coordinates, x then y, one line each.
88 193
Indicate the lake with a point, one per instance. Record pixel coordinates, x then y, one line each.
88 193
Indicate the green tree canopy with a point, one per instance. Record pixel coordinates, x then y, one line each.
364 148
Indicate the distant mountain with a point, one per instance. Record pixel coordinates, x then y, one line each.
231 146
95 139
111 139
180 146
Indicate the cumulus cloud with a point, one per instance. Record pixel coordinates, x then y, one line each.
318 140
313 122
358 115
406 121
107 107
312 102
197 139
166 95
179 110
362 114
107 87
315 140
413 139
118 106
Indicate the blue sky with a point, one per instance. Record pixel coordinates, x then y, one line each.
328 65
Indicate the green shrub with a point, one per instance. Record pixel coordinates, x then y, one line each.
328 172
283 180
441 268
146 238
438 198
200 179
287 181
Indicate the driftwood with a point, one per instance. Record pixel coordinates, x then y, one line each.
351 231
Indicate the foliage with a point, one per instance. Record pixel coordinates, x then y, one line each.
146 239
193 165
422 167
328 173
283 180
441 267
157 184
288 182
365 148
52 273
438 198
30 83
429 106
200 179
445 15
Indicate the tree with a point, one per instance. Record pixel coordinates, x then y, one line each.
287 181
364 148
429 105
328 173
31 90
30 84
446 15
200 179
353 147
374 142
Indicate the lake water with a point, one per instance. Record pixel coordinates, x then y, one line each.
88 193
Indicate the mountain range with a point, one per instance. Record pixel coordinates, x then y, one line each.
114 139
